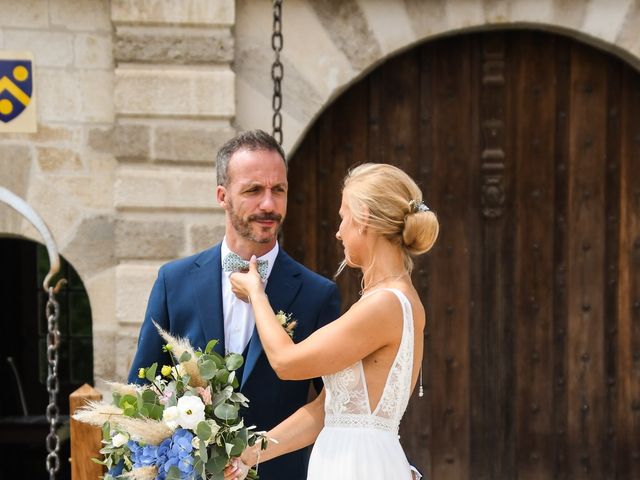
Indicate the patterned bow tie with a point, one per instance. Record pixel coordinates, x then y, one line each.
233 263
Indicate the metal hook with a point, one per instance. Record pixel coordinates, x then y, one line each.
26 211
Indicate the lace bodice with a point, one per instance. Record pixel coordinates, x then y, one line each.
347 397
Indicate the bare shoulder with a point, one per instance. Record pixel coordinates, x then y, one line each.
387 303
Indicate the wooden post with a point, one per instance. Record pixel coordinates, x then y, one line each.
85 439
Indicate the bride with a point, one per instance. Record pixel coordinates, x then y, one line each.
370 357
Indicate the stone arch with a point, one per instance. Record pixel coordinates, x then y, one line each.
331 44
84 238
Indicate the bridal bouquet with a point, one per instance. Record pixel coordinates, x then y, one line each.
183 424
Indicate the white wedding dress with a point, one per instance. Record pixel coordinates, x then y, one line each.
356 442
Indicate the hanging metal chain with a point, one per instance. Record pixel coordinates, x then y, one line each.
277 70
53 342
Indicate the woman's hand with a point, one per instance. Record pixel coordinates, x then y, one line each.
246 285
236 470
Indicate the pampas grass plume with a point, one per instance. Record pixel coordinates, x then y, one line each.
144 430
178 347
142 473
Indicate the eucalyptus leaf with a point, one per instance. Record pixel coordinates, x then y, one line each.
210 346
233 361
238 447
185 357
226 412
217 462
150 373
149 396
222 376
203 430
208 369
216 357
174 474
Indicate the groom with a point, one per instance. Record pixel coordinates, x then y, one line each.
192 297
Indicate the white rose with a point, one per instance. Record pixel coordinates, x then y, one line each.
119 439
190 412
170 417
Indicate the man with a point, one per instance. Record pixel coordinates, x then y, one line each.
192 297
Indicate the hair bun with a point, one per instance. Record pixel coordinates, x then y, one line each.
420 230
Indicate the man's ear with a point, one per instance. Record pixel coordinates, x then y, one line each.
221 196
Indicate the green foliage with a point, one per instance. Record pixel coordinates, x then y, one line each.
222 434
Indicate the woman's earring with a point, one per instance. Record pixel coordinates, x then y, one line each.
360 231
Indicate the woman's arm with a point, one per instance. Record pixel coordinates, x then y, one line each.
297 431
368 326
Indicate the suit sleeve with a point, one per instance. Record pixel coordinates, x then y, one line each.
149 341
329 312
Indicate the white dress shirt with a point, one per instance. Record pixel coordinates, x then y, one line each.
239 321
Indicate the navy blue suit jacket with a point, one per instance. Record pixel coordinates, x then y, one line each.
186 300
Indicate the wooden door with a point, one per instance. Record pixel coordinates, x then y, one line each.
527 145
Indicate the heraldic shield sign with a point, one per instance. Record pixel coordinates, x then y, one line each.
16 92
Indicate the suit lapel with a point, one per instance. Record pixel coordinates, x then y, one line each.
282 287
207 295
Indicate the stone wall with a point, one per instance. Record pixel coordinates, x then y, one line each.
174 103
66 170
134 98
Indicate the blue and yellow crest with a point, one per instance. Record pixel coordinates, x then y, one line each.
16 88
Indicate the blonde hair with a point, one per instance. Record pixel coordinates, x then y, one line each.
388 202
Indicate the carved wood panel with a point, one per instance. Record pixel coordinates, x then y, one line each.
527 145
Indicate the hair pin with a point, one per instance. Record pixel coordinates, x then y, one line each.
416 206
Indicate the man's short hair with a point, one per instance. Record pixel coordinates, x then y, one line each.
250 140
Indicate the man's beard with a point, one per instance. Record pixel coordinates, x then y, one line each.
244 228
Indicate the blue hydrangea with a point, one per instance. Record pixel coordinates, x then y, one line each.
172 452
116 469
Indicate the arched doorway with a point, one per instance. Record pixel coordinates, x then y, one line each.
23 361
527 145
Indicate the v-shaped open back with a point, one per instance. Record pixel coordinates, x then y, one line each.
347 397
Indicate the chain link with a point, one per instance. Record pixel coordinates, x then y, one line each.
53 342
277 70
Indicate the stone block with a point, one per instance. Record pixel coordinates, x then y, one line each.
165 189
347 25
101 289
100 139
530 12
138 239
133 286
187 12
327 69
203 236
58 160
24 14
190 142
390 24
604 19
132 141
177 46
96 95
49 134
90 247
58 99
81 15
92 191
204 93
126 346
93 51
104 358
55 207
15 165
50 49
